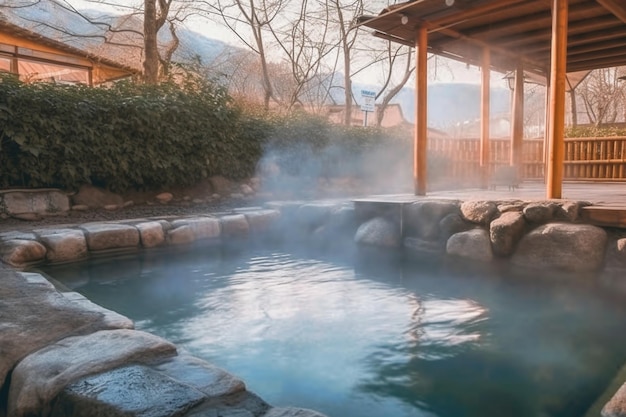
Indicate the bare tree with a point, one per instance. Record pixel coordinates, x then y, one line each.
389 90
111 30
603 95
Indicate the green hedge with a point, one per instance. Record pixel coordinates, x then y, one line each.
124 137
133 136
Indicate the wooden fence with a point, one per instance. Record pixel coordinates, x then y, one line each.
599 159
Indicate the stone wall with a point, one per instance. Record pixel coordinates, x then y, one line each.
65 356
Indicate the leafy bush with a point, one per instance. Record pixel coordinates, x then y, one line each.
594 132
123 137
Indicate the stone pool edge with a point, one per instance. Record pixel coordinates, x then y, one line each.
477 230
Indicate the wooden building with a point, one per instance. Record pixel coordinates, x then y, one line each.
34 57
547 38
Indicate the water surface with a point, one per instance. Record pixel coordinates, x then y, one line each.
372 338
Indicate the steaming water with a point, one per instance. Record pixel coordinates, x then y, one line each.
375 338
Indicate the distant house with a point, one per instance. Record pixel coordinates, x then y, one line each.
393 117
34 57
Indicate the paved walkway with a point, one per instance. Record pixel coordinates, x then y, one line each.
609 194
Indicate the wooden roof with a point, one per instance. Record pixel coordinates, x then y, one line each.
512 29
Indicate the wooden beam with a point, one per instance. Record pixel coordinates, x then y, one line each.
597 63
421 114
475 12
485 117
517 123
617 7
558 68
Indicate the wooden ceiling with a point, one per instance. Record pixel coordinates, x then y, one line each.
512 29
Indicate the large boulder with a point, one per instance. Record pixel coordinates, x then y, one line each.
41 376
291 412
234 226
151 234
63 245
39 315
133 390
379 232
422 218
95 197
616 407
506 231
473 244
102 236
570 247
479 212
451 224
222 186
540 212
201 227
21 202
18 252
261 221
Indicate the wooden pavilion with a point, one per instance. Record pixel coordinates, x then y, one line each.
546 38
34 57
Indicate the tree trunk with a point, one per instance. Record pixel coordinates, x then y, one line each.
151 53
572 96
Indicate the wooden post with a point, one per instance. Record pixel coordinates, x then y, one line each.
546 132
485 118
421 115
557 99
517 124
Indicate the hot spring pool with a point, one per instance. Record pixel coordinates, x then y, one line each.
354 338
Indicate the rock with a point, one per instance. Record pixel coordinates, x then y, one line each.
261 220
570 247
197 201
570 210
506 231
216 196
39 377
111 319
480 212
111 207
621 246
255 183
379 232
201 227
616 407
511 206
312 215
541 212
423 246
212 381
181 235
473 244
164 198
246 189
221 185
80 207
22 252
63 245
128 203
151 234
422 218
30 217
34 201
95 197
237 196
234 226
451 224
291 412
104 236
133 390
35 315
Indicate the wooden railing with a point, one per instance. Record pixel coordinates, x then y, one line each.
599 159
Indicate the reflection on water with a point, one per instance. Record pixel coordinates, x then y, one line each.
375 339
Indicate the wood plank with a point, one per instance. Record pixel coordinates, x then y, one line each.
617 7
604 216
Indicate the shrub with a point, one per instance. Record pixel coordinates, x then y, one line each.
122 137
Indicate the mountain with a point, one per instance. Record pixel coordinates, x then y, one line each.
448 104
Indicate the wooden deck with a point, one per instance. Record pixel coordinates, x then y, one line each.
608 199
